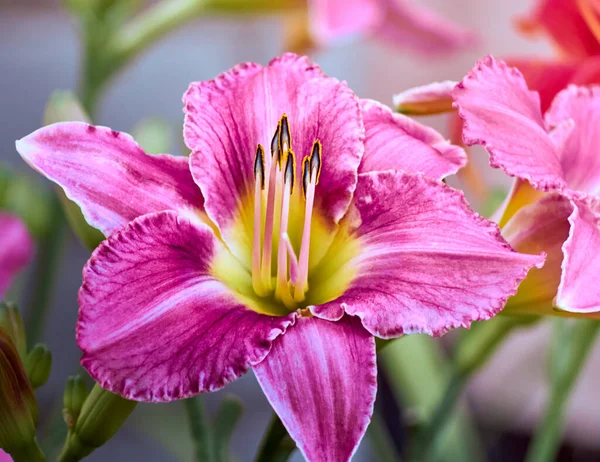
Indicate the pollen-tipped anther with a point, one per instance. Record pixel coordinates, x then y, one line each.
285 135
315 160
289 176
259 166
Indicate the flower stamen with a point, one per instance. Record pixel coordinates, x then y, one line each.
311 170
270 213
282 289
259 186
292 257
275 179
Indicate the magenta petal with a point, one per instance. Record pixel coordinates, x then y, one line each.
427 262
579 291
542 226
321 379
396 142
337 20
563 22
547 77
4 457
16 249
227 117
579 157
154 324
409 25
502 114
108 175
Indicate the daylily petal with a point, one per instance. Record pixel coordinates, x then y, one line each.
588 72
4 457
333 21
579 156
16 249
396 142
563 22
410 25
579 291
539 227
521 194
427 262
108 175
433 98
502 114
227 117
547 77
321 379
154 324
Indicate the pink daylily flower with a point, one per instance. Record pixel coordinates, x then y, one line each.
4 457
16 249
553 205
573 26
402 23
305 223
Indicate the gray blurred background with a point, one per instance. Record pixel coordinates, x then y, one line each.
39 53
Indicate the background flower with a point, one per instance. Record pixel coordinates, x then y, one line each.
16 249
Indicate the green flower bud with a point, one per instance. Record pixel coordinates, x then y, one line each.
75 395
63 106
12 323
153 135
102 414
18 407
38 365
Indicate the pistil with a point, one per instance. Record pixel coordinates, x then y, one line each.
282 290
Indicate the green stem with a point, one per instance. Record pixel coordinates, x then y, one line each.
157 21
428 438
547 437
224 424
481 343
416 370
471 354
200 429
276 446
381 440
28 453
45 274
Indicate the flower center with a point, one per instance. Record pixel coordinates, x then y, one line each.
276 269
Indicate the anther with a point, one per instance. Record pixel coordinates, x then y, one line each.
305 175
315 160
275 151
290 170
259 166
285 135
